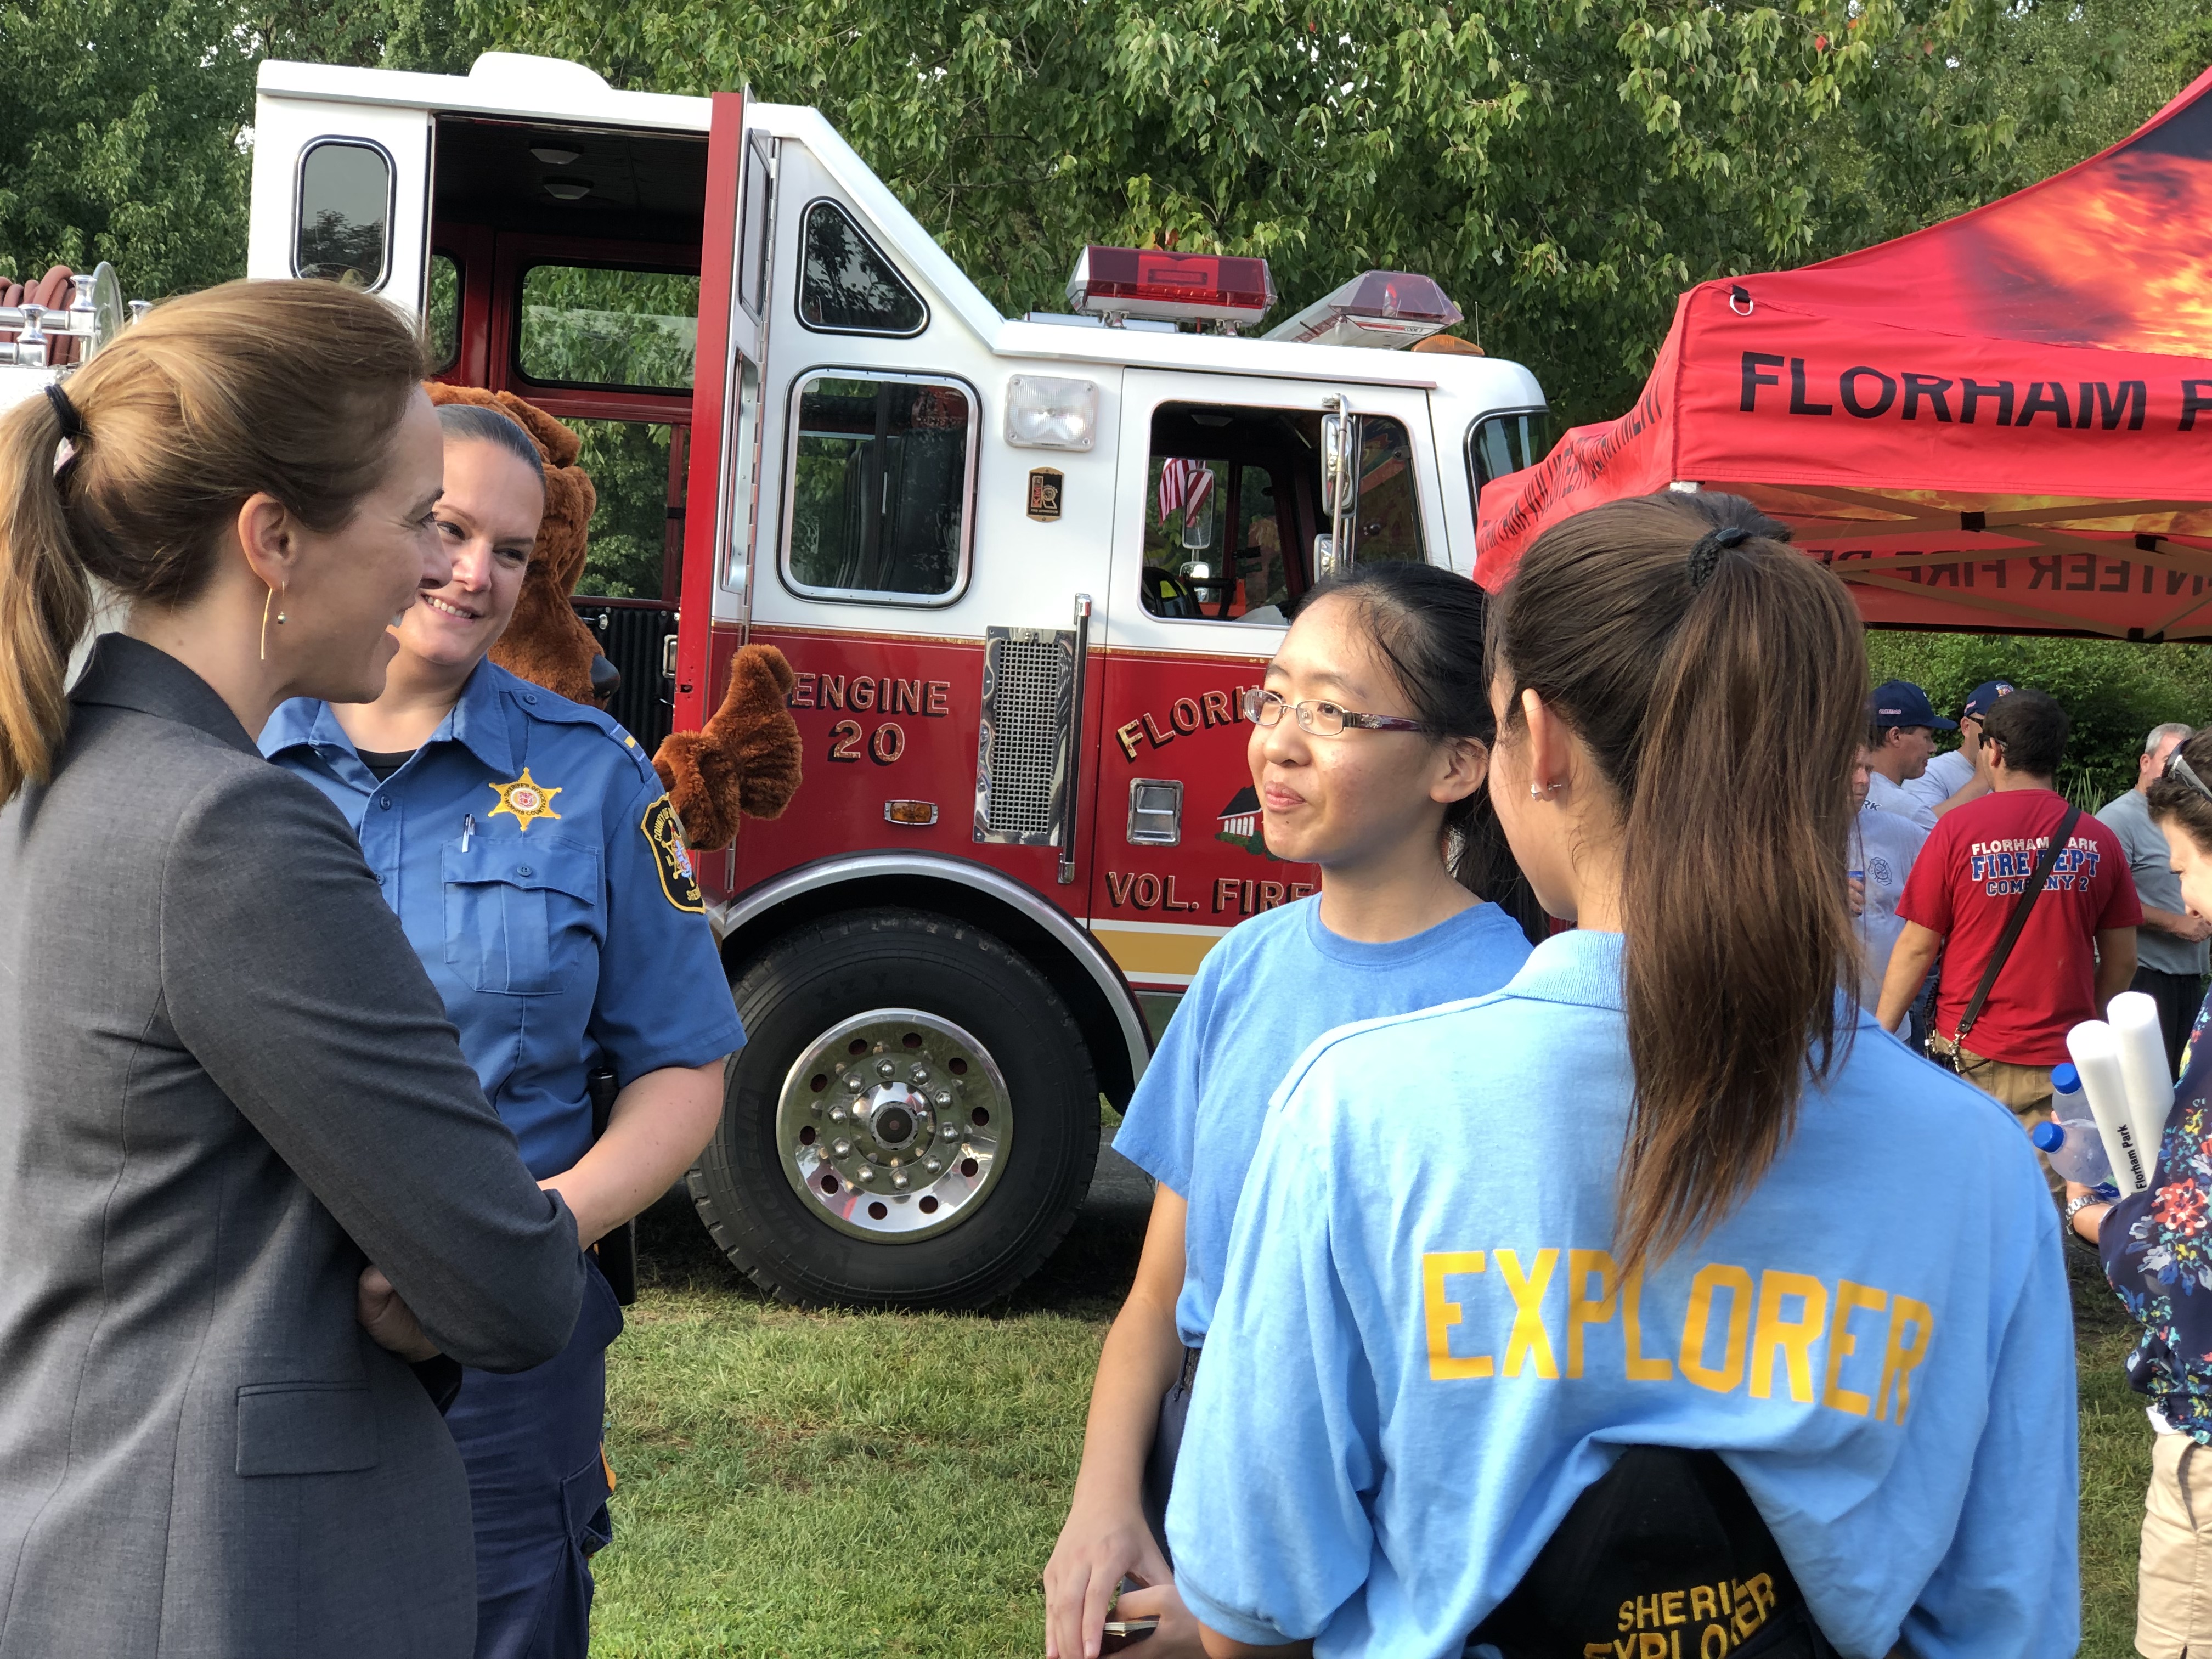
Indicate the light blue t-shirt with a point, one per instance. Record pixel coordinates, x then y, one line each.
1423 1352
1259 998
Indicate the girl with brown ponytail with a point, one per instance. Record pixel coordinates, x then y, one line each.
226 1088
1659 1303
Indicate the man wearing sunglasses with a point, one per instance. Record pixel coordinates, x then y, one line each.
1957 776
2170 949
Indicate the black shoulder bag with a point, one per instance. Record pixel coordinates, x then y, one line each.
1665 1555
1950 1062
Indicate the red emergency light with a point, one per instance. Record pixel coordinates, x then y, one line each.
1383 308
1133 282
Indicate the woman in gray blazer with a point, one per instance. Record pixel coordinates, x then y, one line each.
227 1087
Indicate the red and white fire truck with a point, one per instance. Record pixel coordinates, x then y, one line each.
1022 567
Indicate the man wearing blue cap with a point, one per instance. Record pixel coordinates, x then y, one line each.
1901 728
1957 776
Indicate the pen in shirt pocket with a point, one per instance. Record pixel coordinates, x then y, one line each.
468 829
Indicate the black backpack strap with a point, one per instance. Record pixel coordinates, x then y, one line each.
1665 1547
2015 921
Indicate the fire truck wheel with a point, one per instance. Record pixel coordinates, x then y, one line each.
911 1122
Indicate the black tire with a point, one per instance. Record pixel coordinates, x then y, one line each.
808 982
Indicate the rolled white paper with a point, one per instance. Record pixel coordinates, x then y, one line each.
2096 1054
2134 1019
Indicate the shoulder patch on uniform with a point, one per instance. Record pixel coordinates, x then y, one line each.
664 832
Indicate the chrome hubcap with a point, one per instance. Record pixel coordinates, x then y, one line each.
894 1125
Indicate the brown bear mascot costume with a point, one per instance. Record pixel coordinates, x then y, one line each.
745 761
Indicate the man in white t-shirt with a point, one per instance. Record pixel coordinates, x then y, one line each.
1957 776
1882 848
2170 945
1901 728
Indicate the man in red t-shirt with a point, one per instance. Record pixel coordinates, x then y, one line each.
2077 950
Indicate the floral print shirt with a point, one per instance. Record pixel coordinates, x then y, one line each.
2157 1251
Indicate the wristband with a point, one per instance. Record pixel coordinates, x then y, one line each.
2075 1206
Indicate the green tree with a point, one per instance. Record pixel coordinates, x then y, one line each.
125 129
1565 166
120 129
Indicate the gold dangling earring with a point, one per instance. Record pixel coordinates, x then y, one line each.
267 600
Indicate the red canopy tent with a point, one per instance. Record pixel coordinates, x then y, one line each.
2003 421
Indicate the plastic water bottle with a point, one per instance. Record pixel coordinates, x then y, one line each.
2071 1142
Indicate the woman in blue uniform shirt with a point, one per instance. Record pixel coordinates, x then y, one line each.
1669 1188
536 868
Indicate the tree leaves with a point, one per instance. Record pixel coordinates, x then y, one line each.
1564 167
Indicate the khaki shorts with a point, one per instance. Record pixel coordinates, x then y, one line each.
2173 1595
2025 1088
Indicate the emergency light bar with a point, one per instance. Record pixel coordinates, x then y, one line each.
1382 308
1129 282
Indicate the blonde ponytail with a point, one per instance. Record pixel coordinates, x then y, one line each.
45 600
289 389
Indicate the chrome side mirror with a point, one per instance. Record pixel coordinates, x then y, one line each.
1197 516
1340 488
1332 462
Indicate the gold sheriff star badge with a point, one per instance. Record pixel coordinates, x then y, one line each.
526 800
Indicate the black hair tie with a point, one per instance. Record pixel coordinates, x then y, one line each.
1705 557
66 412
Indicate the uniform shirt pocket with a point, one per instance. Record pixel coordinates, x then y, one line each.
522 916
305 1428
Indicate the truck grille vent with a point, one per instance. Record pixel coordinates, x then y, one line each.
1022 754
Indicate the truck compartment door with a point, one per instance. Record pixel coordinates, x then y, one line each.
341 191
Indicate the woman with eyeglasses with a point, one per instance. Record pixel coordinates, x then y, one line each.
2157 1251
1368 751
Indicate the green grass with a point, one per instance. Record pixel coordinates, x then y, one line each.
858 1484
2115 1464
843 1484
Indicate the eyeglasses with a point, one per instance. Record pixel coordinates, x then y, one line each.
2177 768
1321 719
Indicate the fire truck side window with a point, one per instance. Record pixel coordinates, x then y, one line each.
628 463
846 286
1263 570
443 320
880 484
1389 509
582 326
1229 505
345 208
1499 444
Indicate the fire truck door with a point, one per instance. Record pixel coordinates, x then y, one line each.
341 191
1219 500
738 499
